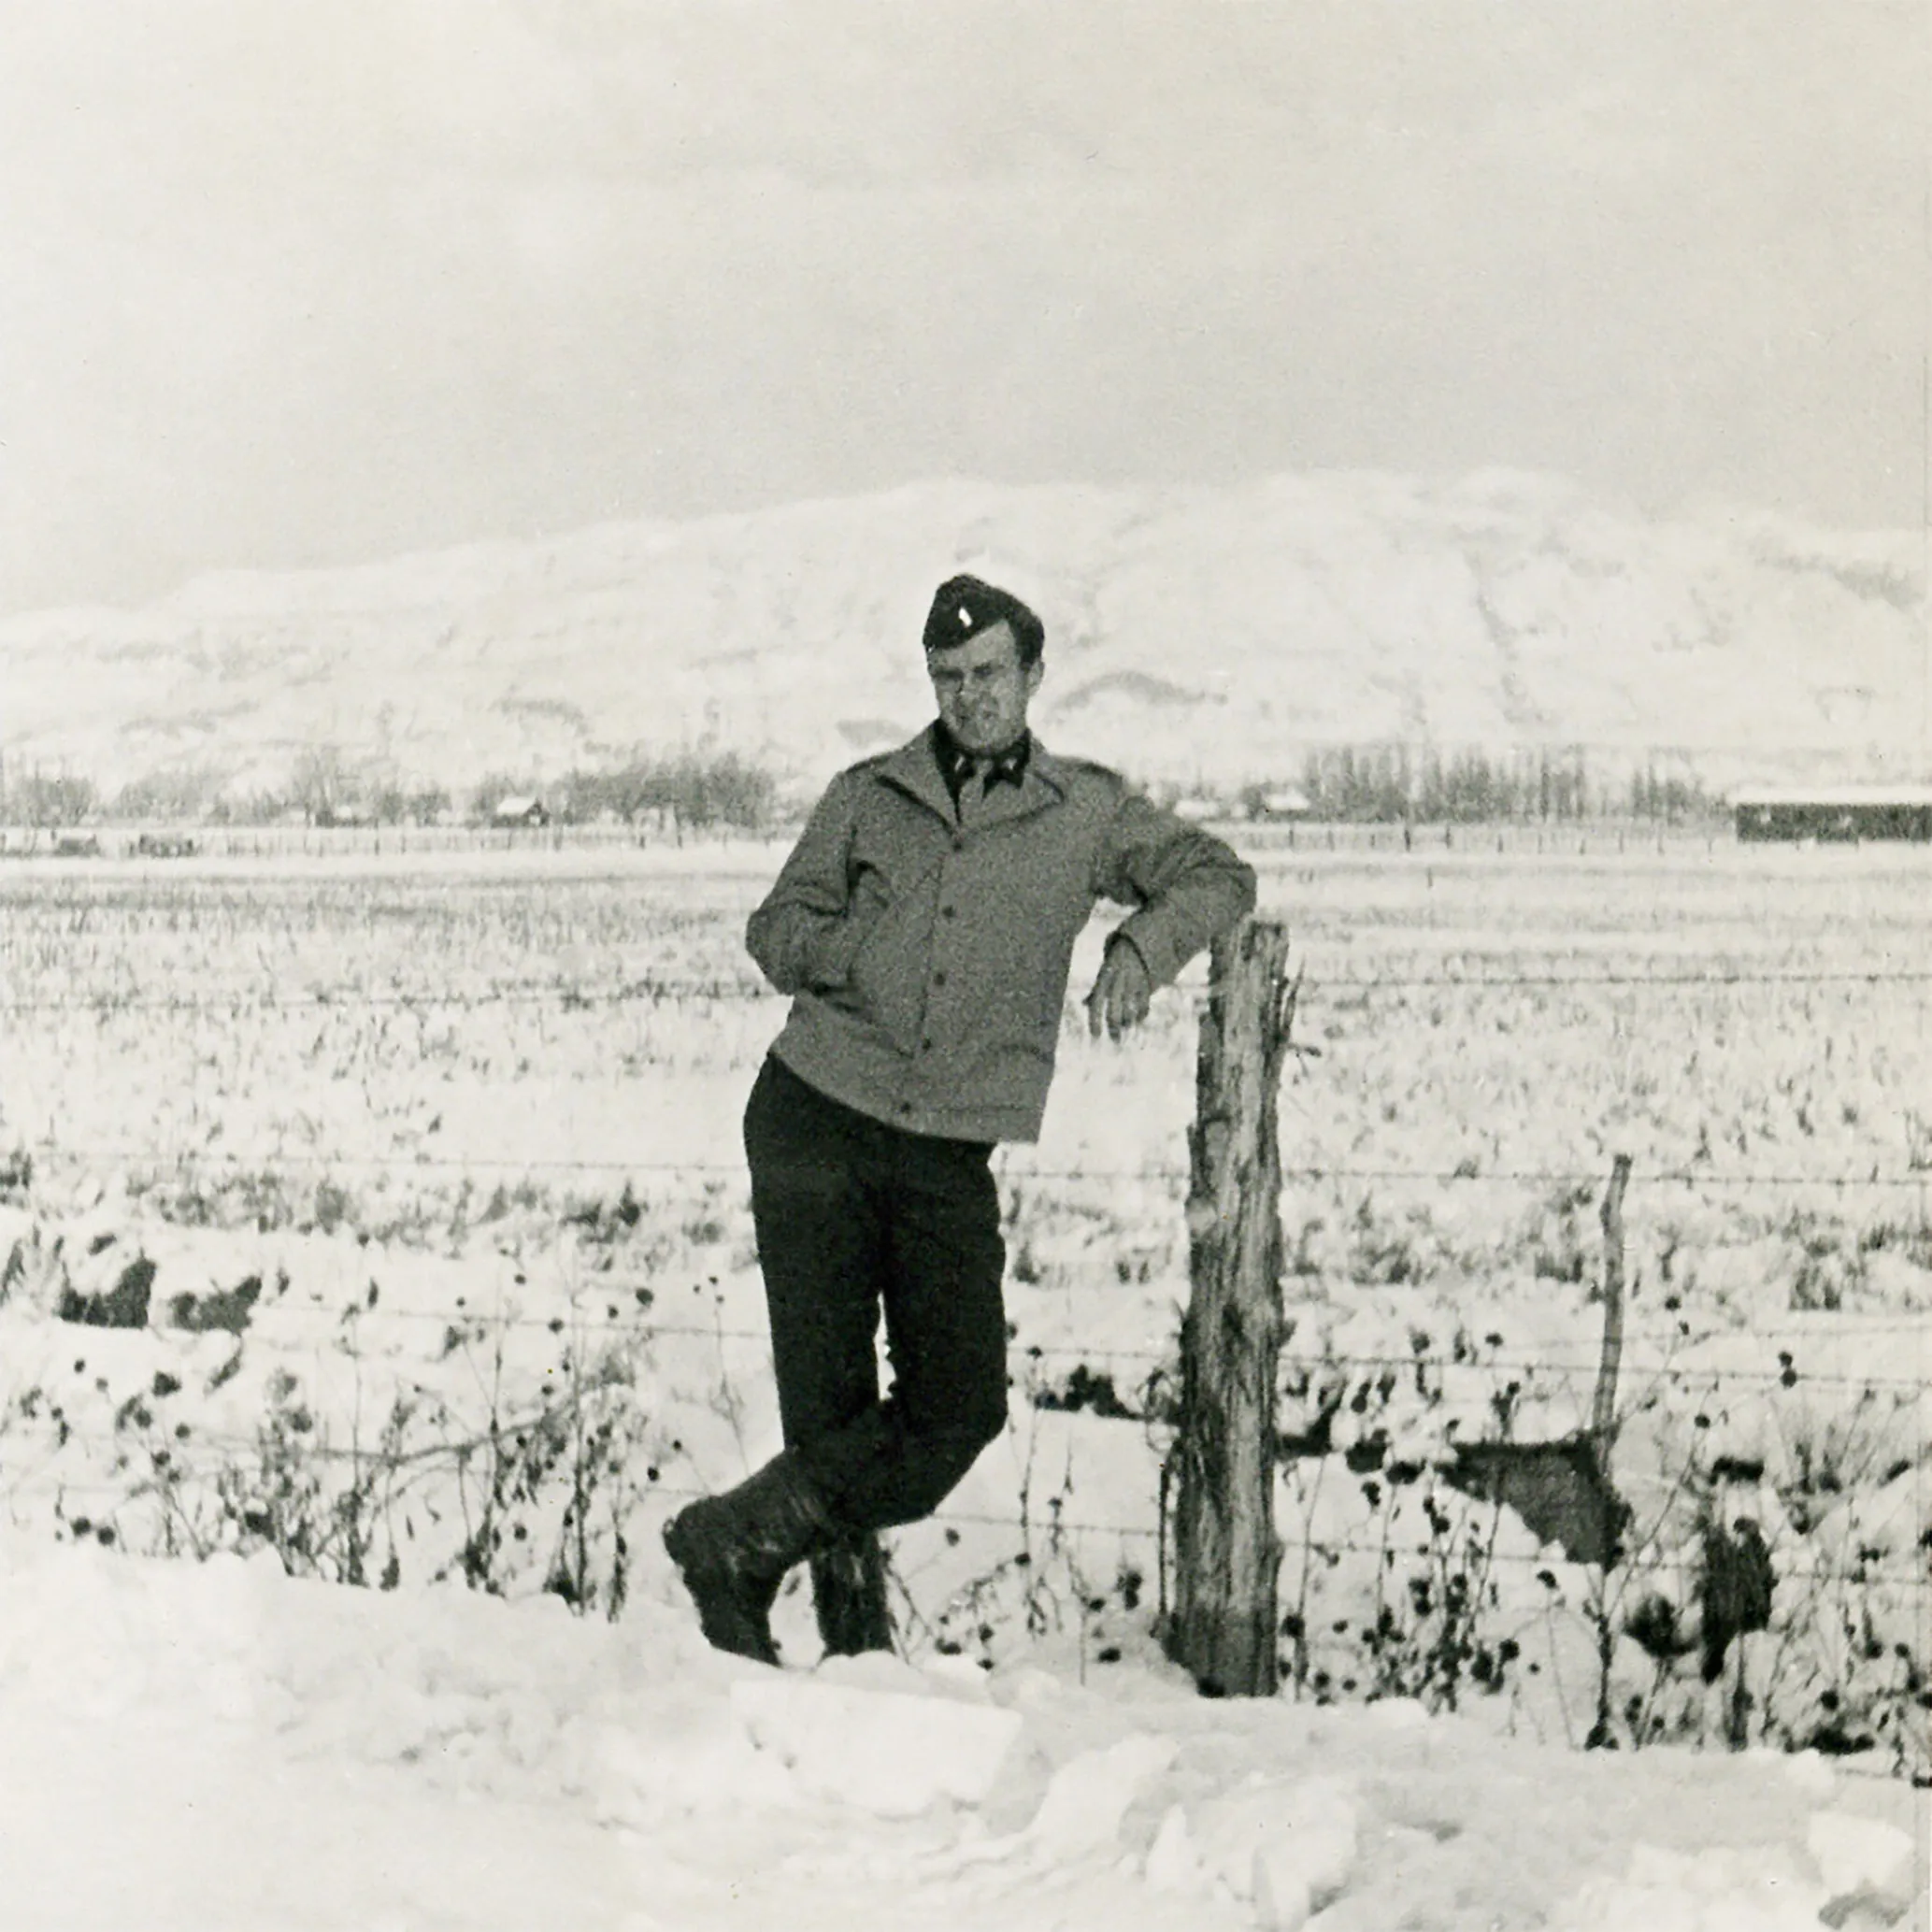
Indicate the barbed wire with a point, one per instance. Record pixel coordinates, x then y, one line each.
565 996
1680 1177
1916 1580
1009 1168
1463 983
643 1323
397 1164
562 997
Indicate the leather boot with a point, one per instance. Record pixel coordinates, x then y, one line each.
849 1593
733 1550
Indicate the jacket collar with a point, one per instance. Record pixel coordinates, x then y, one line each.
914 769
957 766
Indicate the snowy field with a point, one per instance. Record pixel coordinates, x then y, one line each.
384 1222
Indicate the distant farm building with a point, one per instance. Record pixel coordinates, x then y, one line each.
1283 802
1845 812
520 811
166 845
1197 809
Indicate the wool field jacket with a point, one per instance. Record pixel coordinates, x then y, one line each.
928 948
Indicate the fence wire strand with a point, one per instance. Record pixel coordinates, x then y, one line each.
159 1161
1917 1580
567 995
463 1324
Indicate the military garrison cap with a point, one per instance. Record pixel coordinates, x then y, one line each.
963 606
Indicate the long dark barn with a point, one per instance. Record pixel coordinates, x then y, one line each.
1847 812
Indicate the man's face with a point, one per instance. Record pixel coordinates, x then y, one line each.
984 689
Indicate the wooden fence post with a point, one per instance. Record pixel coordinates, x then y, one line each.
1603 1409
1222 1628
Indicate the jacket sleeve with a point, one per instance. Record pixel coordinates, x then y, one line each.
1186 885
805 933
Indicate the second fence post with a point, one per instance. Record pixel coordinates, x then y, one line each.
1223 1625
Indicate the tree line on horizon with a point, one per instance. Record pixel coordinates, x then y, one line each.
691 788
1392 784
1372 784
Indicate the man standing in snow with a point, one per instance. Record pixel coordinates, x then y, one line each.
924 924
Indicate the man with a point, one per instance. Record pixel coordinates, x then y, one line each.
924 924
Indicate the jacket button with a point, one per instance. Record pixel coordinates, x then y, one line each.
939 979
959 842
925 1046
904 1107
947 911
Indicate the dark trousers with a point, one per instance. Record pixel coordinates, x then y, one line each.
855 1218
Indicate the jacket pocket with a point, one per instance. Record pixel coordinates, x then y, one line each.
887 986
837 952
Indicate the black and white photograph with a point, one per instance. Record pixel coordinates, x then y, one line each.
966 967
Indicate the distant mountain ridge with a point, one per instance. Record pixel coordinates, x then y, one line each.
1194 636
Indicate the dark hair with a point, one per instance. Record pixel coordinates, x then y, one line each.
964 606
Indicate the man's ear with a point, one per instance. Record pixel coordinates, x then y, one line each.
1035 671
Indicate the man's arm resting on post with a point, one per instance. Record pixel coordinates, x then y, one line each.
804 936
1186 886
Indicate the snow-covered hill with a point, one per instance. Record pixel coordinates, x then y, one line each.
1190 632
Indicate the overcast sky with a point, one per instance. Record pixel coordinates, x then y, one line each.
318 280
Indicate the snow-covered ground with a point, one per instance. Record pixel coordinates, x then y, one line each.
409 1165
219 1748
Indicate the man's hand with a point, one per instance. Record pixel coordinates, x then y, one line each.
1121 992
